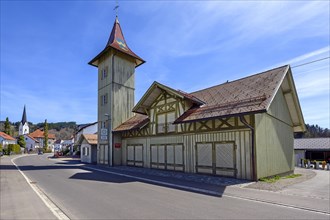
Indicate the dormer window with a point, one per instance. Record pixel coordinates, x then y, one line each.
165 122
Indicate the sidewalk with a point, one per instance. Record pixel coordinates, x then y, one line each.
18 200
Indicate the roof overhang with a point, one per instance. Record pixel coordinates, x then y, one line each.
95 61
291 97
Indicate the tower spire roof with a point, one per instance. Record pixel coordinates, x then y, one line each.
117 41
24 116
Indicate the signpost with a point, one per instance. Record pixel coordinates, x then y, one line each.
104 134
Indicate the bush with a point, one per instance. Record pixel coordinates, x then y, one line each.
6 151
14 148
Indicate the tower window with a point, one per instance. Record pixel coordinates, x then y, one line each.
104 99
104 73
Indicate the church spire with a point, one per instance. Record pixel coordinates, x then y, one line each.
118 43
24 116
24 125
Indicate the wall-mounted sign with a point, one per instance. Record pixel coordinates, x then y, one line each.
104 137
104 131
117 145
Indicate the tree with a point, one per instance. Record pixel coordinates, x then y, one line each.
7 126
46 135
21 141
314 131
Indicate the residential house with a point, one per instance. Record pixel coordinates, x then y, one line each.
90 128
312 149
242 129
32 144
39 136
88 145
6 139
57 145
67 144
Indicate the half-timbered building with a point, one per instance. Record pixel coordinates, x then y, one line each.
242 129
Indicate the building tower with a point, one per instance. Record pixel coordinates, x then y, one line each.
116 65
23 125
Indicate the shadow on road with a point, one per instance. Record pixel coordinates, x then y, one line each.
202 184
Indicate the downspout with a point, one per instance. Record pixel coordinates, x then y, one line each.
110 151
242 119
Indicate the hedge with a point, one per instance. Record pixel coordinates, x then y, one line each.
14 148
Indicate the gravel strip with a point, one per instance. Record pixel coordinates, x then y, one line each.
306 174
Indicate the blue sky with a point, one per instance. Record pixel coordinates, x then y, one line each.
188 45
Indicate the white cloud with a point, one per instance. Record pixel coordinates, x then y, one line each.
314 55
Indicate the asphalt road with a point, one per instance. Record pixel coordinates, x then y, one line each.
86 194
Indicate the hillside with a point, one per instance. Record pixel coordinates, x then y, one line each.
62 130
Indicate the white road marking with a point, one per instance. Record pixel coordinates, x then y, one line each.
50 204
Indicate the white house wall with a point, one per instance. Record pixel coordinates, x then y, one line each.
86 158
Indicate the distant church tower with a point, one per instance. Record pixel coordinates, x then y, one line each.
23 125
116 65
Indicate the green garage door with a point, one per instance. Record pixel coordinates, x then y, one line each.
216 158
134 155
167 156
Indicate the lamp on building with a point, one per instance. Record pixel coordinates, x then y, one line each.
109 149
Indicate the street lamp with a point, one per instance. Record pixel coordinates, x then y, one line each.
109 149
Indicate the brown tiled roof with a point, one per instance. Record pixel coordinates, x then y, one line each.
40 134
6 136
247 95
251 94
90 138
118 42
135 122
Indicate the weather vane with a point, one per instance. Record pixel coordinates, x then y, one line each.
116 8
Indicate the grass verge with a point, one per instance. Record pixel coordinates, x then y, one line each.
273 179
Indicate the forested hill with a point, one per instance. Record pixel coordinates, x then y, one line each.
315 131
62 130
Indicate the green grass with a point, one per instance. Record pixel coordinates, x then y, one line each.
270 179
273 179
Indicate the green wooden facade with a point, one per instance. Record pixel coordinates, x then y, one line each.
242 129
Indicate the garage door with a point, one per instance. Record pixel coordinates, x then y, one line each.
167 156
134 155
216 158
